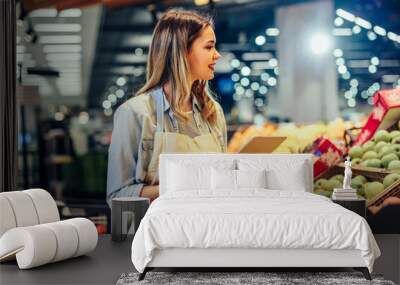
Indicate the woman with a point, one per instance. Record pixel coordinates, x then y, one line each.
172 112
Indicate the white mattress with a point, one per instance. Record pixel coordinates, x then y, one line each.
256 218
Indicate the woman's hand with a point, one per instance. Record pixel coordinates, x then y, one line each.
150 192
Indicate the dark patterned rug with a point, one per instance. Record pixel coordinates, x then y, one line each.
230 278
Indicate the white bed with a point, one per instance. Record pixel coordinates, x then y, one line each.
279 226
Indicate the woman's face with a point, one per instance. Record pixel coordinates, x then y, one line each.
203 56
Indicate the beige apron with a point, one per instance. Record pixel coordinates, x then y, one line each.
174 142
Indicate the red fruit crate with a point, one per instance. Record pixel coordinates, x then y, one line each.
326 154
385 113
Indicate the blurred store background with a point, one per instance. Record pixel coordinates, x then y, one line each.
300 69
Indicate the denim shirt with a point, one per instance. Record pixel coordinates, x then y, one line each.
132 141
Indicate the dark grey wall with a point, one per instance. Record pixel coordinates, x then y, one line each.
8 101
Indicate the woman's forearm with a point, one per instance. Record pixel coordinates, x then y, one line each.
150 192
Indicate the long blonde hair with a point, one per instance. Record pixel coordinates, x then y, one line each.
167 62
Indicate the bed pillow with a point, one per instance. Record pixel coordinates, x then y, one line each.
251 178
189 176
281 175
223 179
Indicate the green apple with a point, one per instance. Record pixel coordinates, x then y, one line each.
369 155
388 158
361 178
338 177
396 140
356 152
390 179
394 165
356 184
373 162
379 145
356 161
323 192
394 134
332 184
368 146
382 135
396 149
372 189
321 183
387 149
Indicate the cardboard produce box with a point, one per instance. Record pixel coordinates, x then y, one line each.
326 154
262 144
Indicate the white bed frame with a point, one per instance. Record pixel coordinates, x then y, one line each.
256 258
252 258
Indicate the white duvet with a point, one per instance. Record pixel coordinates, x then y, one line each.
253 218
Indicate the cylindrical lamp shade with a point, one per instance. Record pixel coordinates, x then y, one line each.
126 214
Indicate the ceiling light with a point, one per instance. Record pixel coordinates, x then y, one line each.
112 98
108 112
272 32
264 76
131 58
271 81
389 78
380 31
342 69
43 13
338 21
245 81
356 29
342 32
120 93
375 60
55 27
255 86
372 69
121 81
371 36
260 40
245 71
320 43
235 63
263 90
235 77
351 102
338 52
354 82
70 13
340 61
106 104
346 75
363 23
251 56
64 56
273 62
345 15
61 48
139 51
394 37
72 39
240 90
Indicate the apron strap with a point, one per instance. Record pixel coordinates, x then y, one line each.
158 97
159 101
